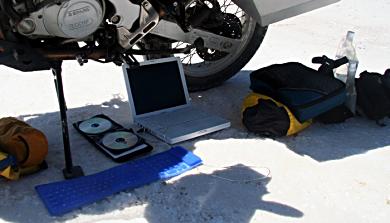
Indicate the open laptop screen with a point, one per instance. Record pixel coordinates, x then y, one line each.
156 87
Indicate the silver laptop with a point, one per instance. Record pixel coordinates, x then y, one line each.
160 103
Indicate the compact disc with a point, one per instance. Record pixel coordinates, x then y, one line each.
95 125
120 140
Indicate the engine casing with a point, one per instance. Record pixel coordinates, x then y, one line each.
74 19
78 19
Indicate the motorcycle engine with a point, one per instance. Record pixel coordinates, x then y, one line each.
78 19
73 19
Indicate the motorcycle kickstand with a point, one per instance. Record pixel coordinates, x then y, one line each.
69 171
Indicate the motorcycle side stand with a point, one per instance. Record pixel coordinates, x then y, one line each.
70 171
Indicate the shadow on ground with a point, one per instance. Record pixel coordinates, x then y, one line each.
199 193
209 198
320 142
334 142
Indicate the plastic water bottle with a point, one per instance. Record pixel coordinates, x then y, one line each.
350 86
346 49
347 72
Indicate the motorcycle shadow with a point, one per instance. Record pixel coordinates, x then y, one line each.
199 196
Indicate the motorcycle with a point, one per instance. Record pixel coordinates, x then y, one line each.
214 38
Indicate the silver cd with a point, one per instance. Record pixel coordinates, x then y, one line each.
95 125
120 140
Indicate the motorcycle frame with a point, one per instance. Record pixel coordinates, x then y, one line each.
167 29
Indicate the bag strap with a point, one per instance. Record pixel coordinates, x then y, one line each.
328 65
9 161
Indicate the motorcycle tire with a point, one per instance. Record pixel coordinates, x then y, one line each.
215 67
228 69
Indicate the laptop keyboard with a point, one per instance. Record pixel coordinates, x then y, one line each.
174 117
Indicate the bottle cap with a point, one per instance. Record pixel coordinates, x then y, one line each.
350 35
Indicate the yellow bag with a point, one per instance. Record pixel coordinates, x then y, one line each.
22 143
266 116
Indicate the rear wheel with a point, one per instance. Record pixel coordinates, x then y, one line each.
206 68
205 75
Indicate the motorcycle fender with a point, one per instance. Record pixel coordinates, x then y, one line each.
270 11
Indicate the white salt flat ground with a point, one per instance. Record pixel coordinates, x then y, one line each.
329 173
